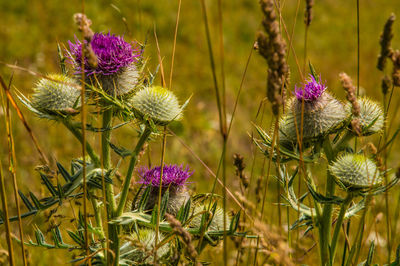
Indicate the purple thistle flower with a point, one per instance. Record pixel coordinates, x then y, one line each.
113 54
173 175
311 90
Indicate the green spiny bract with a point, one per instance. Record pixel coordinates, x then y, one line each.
157 103
217 222
128 80
123 84
321 117
355 171
58 94
139 250
371 116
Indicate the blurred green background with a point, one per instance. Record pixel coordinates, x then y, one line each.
30 30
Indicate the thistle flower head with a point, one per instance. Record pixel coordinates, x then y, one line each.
173 175
355 171
157 103
311 90
56 93
113 54
312 120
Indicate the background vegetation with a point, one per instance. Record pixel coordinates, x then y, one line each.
29 34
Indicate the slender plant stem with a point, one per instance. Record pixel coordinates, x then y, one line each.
97 217
6 217
174 46
326 219
338 226
164 144
83 122
385 138
271 152
360 233
12 168
134 158
110 201
345 242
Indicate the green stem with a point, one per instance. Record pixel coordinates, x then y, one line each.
110 200
339 223
77 133
125 188
97 217
326 219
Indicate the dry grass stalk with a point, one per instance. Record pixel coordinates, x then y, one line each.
84 24
351 92
385 42
238 162
272 47
386 84
308 12
374 151
396 68
184 235
258 189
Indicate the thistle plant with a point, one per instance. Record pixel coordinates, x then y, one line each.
325 126
127 228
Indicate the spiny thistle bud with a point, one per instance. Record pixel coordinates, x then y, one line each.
371 118
322 114
173 178
355 171
217 220
56 94
158 104
141 246
116 59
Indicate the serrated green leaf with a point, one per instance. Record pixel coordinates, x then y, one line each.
64 173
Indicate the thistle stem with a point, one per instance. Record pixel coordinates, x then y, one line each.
326 220
134 158
110 201
97 217
339 223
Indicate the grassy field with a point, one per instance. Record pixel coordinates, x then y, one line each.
30 32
